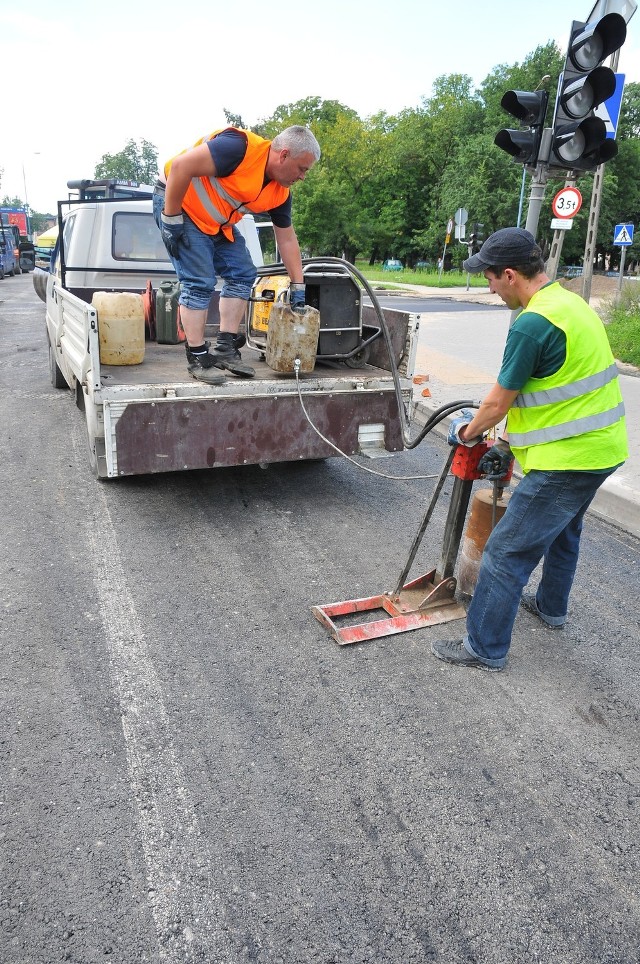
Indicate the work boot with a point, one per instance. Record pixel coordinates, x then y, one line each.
453 651
528 602
227 354
205 368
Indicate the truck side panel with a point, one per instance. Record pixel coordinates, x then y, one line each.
174 435
73 332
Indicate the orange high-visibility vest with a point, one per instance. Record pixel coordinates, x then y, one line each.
216 203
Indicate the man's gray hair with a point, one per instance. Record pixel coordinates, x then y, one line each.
299 140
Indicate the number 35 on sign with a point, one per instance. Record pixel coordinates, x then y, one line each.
567 202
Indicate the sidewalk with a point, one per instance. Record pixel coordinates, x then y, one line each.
461 354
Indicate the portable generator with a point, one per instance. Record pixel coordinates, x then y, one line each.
331 288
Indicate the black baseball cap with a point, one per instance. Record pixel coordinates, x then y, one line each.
504 249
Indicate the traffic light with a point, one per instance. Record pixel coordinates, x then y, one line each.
476 238
529 107
578 138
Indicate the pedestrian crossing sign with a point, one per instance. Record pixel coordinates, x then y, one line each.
623 234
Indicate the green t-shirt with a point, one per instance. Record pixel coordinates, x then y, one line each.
534 348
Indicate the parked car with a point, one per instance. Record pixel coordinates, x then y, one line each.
571 271
391 264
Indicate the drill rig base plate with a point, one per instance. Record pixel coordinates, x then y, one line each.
421 602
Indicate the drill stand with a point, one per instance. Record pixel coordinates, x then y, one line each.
429 599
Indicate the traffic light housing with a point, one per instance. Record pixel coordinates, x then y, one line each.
476 238
530 108
579 138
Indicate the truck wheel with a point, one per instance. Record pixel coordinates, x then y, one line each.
40 284
57 378
359 360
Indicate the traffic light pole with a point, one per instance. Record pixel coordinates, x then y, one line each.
536 196
539 183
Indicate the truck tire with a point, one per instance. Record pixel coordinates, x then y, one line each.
57 378
40 284
360 359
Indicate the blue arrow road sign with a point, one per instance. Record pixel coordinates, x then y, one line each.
609 111
623 234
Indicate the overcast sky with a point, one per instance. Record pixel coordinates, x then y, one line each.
91 76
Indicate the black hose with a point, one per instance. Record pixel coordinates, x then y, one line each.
435 417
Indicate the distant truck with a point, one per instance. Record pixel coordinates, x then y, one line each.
9 250
154 417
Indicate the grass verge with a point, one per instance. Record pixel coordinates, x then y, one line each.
621 315
431 279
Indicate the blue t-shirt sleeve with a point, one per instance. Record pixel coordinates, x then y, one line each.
281 216
227 150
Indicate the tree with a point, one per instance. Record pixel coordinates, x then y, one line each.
629 123
234 120
133 163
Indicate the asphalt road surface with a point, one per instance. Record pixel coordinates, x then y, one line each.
192 770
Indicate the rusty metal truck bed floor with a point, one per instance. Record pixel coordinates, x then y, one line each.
168 363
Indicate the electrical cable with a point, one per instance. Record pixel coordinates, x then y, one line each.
434 419
437 417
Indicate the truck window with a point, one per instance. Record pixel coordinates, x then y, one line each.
136 238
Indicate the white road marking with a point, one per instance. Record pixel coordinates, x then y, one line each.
187 910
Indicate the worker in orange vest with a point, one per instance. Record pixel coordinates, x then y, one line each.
204 192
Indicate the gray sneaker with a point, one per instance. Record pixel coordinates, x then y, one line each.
528 602
453 651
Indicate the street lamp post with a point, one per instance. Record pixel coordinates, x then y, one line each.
26 199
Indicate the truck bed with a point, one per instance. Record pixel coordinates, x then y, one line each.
168 363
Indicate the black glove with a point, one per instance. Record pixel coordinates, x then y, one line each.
172 232
297 297
496 462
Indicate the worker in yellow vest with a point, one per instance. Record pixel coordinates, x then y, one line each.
202 194
558 388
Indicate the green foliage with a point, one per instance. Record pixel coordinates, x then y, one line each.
629 123
234 120
132 163
387 185
622 317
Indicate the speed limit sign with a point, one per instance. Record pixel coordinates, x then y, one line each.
567 202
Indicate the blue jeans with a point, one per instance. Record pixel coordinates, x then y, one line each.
543 520
208 257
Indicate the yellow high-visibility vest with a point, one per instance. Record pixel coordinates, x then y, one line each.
573 419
